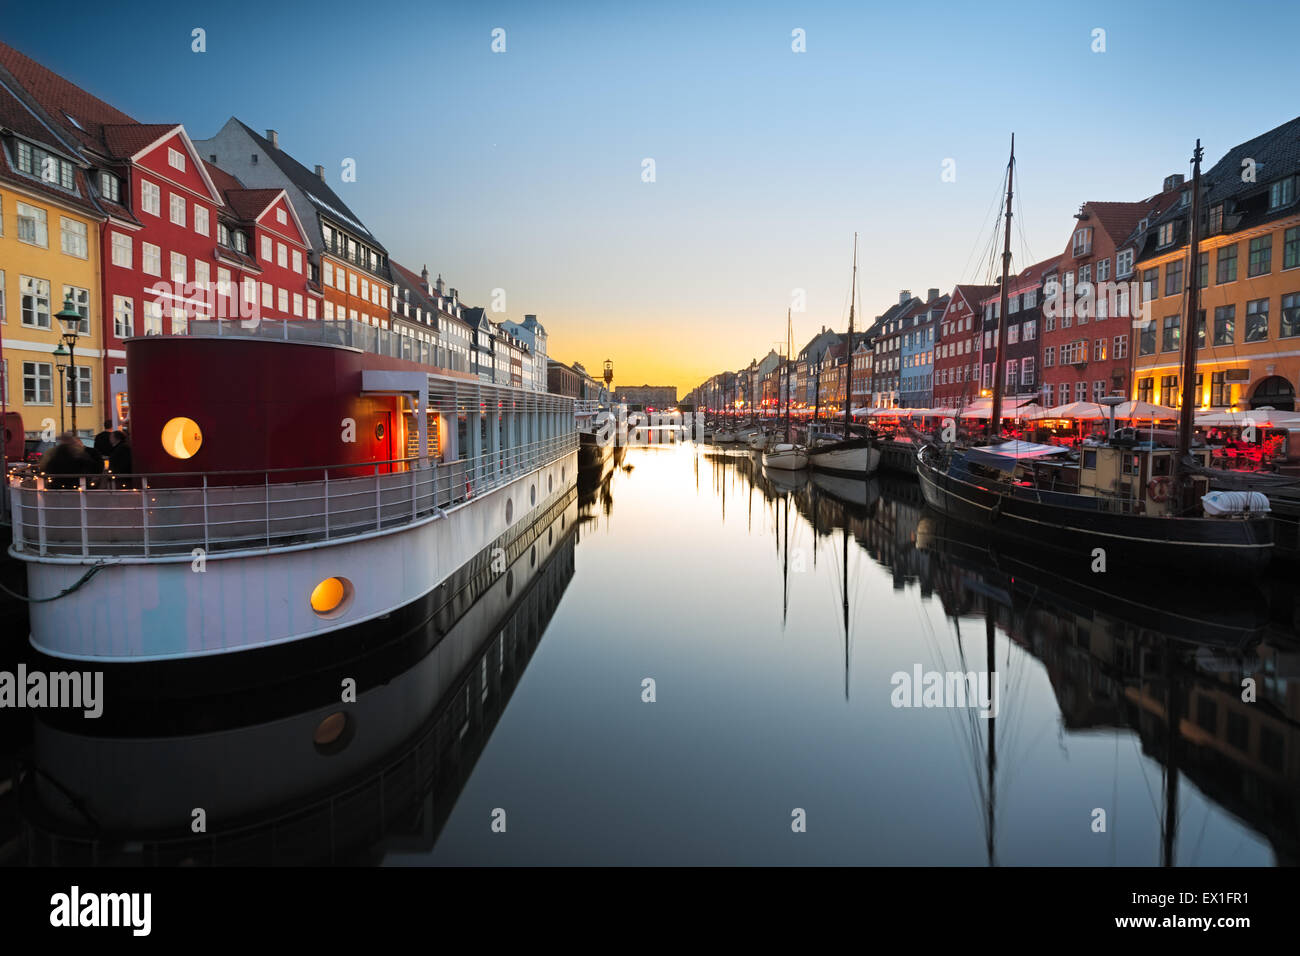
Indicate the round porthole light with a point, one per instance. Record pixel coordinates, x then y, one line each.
333 733
510 510
532 495
331 597
182 438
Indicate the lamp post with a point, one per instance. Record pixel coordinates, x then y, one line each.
71 320
60 354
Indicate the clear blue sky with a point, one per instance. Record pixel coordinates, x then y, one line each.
522 170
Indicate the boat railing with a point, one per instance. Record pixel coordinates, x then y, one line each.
147 516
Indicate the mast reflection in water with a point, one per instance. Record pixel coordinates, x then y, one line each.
771 612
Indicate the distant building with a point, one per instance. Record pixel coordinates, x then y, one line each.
651 396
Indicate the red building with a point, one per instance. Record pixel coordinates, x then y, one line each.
1022 355
958 350
1088 311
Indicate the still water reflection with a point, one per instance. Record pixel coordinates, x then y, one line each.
771 612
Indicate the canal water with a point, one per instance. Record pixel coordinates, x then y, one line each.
695 662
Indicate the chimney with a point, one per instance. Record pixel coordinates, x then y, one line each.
320 171
212 158
904 296
424 274
438 285
274 138
1173 182
931 295
454 299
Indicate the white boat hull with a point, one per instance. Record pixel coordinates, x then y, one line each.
860 462
793 459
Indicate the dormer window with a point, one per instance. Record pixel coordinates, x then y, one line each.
1216 218
1082 241
109 187
1186 198
40 164
223 234
240 240
1165 236
1142 224
1281 193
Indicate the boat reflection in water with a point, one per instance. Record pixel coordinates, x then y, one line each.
1164 664
305 779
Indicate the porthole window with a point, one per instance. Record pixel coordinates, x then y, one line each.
331 597
510 510
333 734
550 483
182 437
379 431
510 582
532 495
532 557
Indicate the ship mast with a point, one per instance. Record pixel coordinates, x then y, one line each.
1192 303
848 382
789 346
995 413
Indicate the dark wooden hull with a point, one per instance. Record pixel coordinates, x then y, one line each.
1134 545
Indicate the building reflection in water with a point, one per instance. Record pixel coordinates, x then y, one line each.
1166 666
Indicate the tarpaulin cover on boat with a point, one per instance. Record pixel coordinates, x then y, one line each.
1005 456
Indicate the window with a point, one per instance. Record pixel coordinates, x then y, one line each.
1151 283
1027 370
329 310
1147 337
1200 328
150 258
1103 270
223 234
1169 390
365 294
352 283
1120 347
281 217
77 382
1124 264
223 281
202 274
180 322
121 250
1099 350
1261 256
268 296
1080 391
1290 326
1174 278
297 305
1170 339
50 169
4 312
1012 367
1031 298
1049 395
329 273
1165 235
297 262
268 253
1227 265
1281 193
1013 334
281 255
1085 275
311 308
109 187
178 271
1291 248
282 300
152 317
1203 273
73 238
175 159
177 209
123 316
1082 241
35 294
38 383
1098 389
33 228
1257 320
1223 392
250 290
150 198
1225 322
80 299
201 220
1029 331
240 239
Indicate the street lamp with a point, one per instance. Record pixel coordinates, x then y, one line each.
60 354
71 320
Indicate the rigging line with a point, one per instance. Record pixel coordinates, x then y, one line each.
980 236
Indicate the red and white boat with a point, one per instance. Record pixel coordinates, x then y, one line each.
294 479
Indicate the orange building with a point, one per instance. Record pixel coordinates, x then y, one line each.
1248 329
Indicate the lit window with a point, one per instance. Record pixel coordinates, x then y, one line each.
182 438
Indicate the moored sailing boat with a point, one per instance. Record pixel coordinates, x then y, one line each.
1135 506
786 455
850 457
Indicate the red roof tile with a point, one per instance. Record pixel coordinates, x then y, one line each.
125 140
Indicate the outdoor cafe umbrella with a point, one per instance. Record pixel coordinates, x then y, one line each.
1145 411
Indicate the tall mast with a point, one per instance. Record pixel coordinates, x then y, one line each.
848 350
1192 300
789 346
995 414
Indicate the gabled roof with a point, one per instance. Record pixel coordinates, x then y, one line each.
16 115
124 141
972 295
318 191
249 204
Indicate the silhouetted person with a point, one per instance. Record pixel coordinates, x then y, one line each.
67 462
119 459
104 440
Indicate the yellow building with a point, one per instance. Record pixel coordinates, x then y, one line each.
1248 331
49 254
